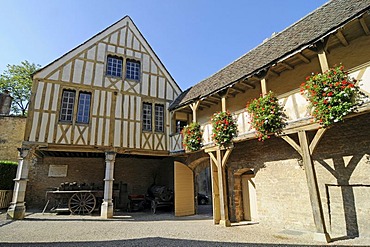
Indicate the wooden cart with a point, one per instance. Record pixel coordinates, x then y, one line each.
76 201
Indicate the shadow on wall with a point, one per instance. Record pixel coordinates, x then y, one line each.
342 169
344 154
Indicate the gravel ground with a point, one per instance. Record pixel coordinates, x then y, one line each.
145 229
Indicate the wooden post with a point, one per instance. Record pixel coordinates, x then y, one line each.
17 208
107 205
263 86
223 103
224 206
215 190
218 164
194 107
323 59
318 214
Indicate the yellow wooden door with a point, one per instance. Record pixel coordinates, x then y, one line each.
184 190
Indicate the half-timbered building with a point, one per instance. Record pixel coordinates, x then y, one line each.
308 178
105 100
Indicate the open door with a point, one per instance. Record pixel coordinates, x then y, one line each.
184 190
249 197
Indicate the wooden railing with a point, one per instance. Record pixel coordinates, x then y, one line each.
176 143
295 107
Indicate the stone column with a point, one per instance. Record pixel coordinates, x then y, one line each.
107 205
17 208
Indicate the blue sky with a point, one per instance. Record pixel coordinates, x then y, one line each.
193 38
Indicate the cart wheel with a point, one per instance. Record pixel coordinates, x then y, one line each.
82 203
153 207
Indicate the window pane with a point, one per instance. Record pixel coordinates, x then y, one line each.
66 111
159 118
147 117
114 66
133 70
83 111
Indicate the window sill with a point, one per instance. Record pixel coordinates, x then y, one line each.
115 77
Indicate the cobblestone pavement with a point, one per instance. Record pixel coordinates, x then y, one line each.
145 229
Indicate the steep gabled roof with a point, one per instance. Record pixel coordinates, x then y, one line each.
115 26
304 32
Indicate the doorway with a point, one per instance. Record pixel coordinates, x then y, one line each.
249 196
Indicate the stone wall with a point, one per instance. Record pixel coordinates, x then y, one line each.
341 160
11 136
280 182
133 175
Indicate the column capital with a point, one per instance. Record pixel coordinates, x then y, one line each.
110 156
24 152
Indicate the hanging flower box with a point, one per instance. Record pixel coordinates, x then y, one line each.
192 137
332 95
267 116
224 128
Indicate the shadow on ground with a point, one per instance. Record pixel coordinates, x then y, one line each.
143 242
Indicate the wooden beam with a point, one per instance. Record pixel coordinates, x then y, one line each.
323 60
293 144
222 184
303 58
226 157
364 26
288 66
215 96
223 103
263 86
194 106
272 72
316 139
341 38
238 89
247 84
318 214
206 104
211 101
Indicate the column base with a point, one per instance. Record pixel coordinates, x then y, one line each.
106 210
16 212
321 237
225 223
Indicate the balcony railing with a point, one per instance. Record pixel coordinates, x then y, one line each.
295 106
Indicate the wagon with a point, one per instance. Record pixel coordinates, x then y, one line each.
76 199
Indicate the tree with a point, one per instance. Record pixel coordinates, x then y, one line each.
18 80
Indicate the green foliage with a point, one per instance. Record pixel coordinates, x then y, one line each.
332 95
224 128
18 80
192 134
8 170
267 115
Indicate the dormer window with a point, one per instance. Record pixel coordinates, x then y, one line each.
133 70
114 66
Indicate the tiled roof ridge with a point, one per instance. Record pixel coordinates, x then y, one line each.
267 53
273 35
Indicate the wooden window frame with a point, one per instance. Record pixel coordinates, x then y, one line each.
85 112
67 106
159 118
113 70
131 71
147 117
